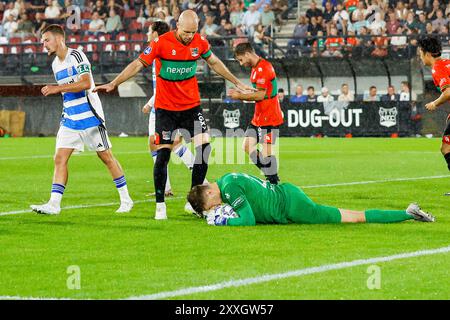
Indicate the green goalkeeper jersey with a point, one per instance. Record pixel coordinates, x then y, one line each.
253 199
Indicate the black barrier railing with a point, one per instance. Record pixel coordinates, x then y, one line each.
20 58
307 119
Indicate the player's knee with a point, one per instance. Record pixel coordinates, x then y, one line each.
445 148
60 160
246 146
163 157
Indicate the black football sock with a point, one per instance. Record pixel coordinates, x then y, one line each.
270 169
200 164
255 156
160 173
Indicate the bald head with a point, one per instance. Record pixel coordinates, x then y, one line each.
187 26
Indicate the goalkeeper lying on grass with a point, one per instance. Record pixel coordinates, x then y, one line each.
257 201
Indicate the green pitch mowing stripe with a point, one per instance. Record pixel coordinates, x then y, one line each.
268 277
290 274
133 255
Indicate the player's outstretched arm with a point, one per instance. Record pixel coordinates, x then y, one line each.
130 71
444 97
237 94
219 67
83 84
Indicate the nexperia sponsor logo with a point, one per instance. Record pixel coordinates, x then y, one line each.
177 70
180 70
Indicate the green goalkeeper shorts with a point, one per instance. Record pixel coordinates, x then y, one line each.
301 209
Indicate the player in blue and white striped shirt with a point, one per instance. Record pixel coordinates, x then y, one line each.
82 121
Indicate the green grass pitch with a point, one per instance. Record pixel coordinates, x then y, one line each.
127 255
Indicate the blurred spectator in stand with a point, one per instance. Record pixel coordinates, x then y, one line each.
280 8
101 9
398 44
10 26
328 15
372 95
236 15
298 97
10 10
381 46
432 12
392 24
202 15
52 12
419 7
439 21
281 95
96 26
378 25
411 22
405 93
113 24
334 44
313 29
360 23
311 94
259 40
222 14
251 18
25 27
313 11
346 94
300 32
325 96
390 95
341 19
422 23
318 46
360 8
401 11
268 19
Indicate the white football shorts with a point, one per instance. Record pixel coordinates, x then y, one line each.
95 138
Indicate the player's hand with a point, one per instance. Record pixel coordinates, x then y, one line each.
431 106
146 109
234 94
216 219
243 87
107 87
48 90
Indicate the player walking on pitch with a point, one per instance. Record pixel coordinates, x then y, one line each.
257 201
430 50
177 101
157 29
82 121
267 117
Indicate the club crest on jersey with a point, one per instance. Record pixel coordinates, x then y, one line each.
194 52
174 53
148 50
388 117
166 135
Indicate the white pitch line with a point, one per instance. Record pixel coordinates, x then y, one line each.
374 181
266 277
289 274
86 206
